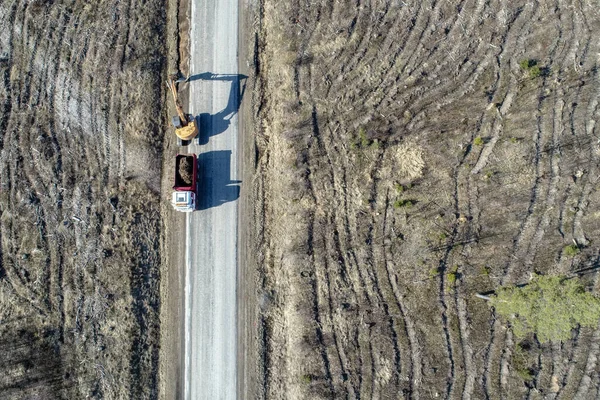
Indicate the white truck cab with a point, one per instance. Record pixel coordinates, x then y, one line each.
184 201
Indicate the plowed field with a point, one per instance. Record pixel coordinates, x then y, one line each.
80 156
409 155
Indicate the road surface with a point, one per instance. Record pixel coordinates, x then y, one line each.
215 89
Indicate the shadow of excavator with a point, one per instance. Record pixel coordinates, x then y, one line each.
214 124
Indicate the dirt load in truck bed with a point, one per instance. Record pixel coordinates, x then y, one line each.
410 154
81 133
185 171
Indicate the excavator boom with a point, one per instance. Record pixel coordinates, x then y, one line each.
173 86
187 128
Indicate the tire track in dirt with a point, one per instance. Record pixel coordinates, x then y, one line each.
467 350
373 277
557 130
344 247
323 268
28 202
453 306
525 233
332 240
413 363
347 258
117 145
371 269
53 77
557 134
469 193
517 24
357 49
310 241
583 355
342 359
359 57
442 267
529 226
554 171
6 63
419 21
389 301
465 74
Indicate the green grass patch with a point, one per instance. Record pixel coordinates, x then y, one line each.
535 72
520 363
361 141
533 69
527 64
433 272
404 203
571 250
485 270
452 276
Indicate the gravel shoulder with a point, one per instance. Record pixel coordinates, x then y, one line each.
247 278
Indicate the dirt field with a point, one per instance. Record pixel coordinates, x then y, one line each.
409 155
81 124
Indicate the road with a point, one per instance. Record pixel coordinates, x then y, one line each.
210 362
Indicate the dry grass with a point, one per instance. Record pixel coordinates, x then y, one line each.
80 225
499 169
409 161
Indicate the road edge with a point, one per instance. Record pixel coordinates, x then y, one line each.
246 290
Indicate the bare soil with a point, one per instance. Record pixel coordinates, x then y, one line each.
81 124
405 161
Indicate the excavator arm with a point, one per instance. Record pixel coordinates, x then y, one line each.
186 127
172 82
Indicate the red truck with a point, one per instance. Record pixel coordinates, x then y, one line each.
186 182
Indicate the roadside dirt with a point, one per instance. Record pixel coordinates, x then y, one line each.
81 125
406 160
173 248
248 277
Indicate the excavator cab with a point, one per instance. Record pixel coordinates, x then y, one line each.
186 127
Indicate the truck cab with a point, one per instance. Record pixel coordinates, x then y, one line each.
184 201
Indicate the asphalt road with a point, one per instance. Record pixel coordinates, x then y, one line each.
216 89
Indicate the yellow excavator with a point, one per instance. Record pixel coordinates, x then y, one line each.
186 127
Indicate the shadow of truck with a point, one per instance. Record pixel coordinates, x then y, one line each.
215 186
